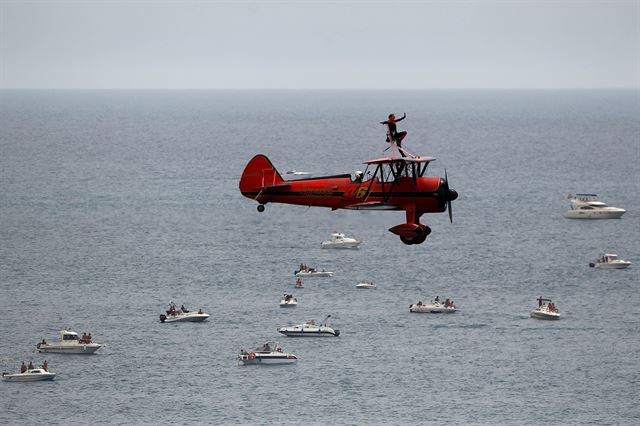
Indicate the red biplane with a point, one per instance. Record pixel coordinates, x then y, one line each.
396 183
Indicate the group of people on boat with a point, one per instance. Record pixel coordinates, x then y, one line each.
447 302
86 338
306 268
287 297
263 348
174 311
550 306
24 367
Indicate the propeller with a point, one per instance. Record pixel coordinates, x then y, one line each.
451 194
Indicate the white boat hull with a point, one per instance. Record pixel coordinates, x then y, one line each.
309 332
351 245
78 348
28 377
610 213
318 274
188 317
267 359
289 305
613 265
365 286
431 309
545 315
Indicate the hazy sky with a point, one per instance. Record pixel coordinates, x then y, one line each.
319 44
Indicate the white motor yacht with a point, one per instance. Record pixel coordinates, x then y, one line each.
269 353
610 261
366 284
69 343
435 307
183 315
308 272
587 206
340 241
546 310
288 301
31 375
310 329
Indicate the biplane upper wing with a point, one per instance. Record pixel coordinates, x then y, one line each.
390 160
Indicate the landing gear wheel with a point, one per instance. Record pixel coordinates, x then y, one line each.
406 240
260 208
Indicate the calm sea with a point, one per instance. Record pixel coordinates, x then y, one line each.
113 203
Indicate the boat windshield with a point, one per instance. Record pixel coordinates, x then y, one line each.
70 337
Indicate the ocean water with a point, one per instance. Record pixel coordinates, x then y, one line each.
113 203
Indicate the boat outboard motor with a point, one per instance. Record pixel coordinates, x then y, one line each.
591 264
163 317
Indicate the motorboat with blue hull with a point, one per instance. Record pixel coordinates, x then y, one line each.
269 353
310 329
69 343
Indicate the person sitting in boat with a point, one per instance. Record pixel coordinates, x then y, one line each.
183 309
359 176
200 311
83 339
419 302
45 366
172 309
89 338
447 303
23 368
30 366
437 299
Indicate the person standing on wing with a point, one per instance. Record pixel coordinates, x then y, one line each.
392 134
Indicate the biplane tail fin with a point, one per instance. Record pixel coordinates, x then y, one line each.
258 174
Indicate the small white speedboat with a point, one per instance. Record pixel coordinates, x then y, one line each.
288 301
587 206
435 307
610 261
546 310
69 343
183 315
340 241
31 375
267 354
310 329
307 272
366 284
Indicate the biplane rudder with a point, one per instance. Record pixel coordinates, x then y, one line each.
258 174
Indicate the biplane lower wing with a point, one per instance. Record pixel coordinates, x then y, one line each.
373 205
